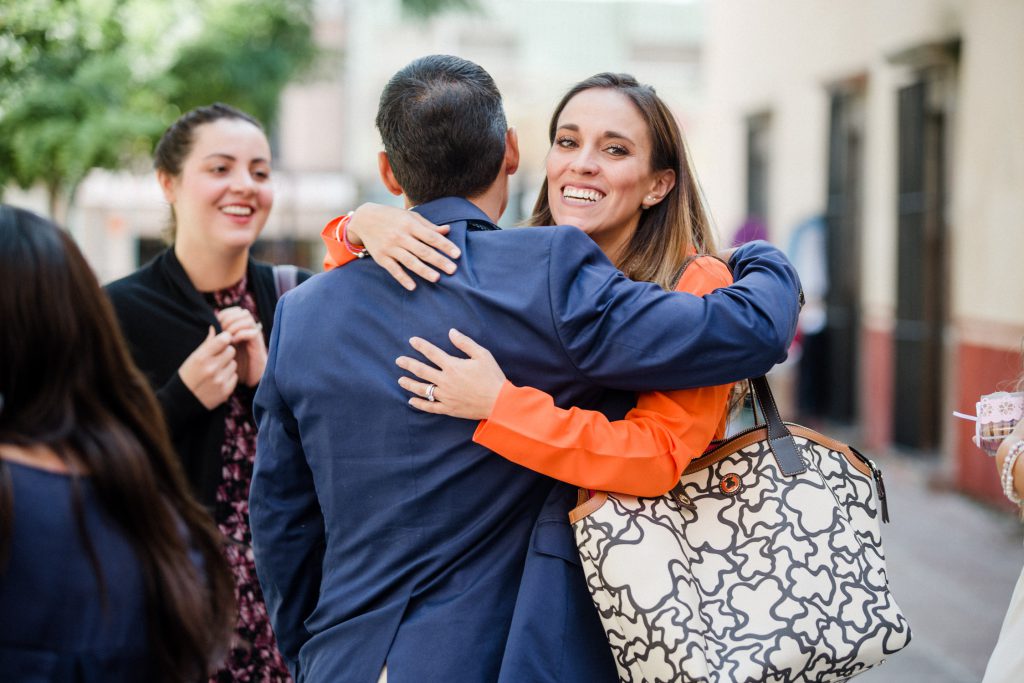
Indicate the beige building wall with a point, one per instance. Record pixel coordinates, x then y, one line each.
989 183
783 57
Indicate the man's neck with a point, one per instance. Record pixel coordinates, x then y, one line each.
492 202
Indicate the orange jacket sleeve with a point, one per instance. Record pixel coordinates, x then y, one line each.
337 254
642 454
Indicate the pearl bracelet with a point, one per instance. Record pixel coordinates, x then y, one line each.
1007 472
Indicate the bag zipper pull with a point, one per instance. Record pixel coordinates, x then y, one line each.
880 486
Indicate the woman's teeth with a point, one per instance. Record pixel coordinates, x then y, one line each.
580 193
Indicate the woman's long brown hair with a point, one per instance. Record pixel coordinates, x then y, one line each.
68 383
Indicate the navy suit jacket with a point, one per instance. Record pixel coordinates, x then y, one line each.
385 535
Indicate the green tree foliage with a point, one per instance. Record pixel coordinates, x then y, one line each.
92 83
426 8
71 101
246 53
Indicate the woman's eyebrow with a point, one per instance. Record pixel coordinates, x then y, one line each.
616 134
229 157
607 134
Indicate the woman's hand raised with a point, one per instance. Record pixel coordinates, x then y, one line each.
211 372
463 387
247 338
401 241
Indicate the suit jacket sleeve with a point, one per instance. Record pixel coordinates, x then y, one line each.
634 336
641 455
287 525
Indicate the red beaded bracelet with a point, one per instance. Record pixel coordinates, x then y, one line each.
342 227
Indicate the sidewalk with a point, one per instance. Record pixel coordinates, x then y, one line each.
952 565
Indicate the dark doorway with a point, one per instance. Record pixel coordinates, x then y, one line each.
842 247
921 288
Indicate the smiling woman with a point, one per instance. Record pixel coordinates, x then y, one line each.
197 319
599 171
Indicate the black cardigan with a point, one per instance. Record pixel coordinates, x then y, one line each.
164 318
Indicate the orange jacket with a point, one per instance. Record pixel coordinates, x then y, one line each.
642 454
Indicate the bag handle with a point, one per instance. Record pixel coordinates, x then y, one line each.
780 439
285 279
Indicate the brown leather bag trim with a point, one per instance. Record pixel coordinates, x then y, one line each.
587 507
761 434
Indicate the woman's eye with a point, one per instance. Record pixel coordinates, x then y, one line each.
617 150
261 175
565 143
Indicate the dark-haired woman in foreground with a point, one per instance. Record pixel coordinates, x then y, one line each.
109 570
197 319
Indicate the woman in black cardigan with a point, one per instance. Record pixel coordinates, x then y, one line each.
197 319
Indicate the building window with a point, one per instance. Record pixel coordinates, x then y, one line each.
758 165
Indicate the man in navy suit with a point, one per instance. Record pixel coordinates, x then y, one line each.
383 535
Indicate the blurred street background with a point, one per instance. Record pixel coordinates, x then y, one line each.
880 143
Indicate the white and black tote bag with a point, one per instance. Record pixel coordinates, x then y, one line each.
764 563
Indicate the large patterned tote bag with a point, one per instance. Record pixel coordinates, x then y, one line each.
764 563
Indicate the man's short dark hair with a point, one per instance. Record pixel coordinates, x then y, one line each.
443 127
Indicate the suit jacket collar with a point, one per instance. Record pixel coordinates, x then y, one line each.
448 210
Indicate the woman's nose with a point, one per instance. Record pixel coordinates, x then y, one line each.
243 182
584 163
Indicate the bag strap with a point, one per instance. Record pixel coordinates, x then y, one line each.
285 278
780 439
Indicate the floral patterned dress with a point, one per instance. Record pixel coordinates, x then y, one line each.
254 656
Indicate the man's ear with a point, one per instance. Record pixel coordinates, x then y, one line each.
166 181
387 175
511 151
